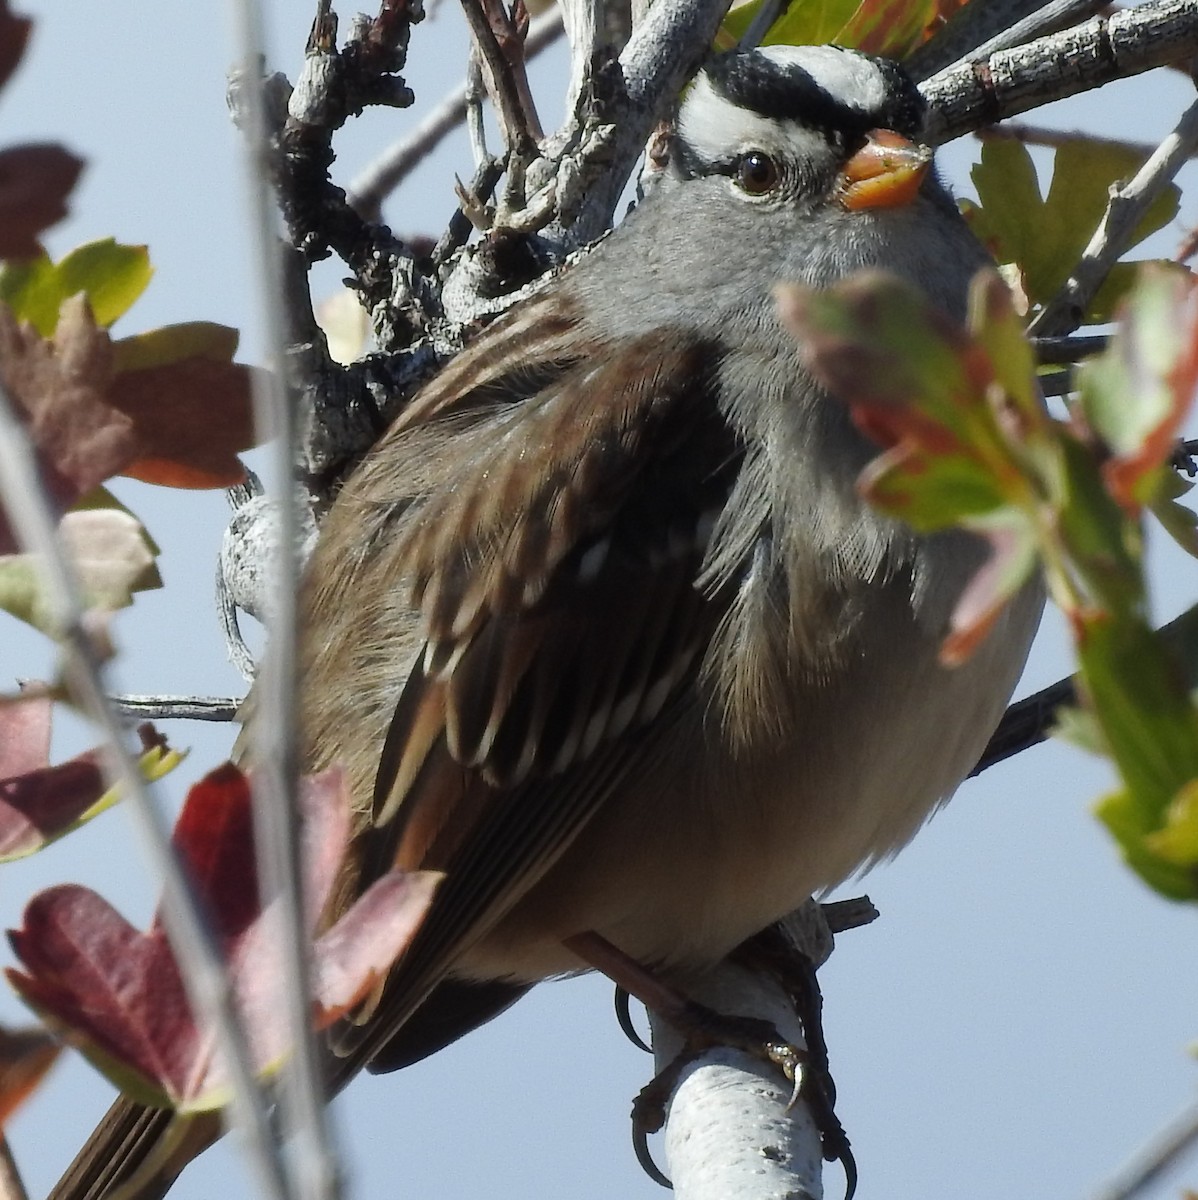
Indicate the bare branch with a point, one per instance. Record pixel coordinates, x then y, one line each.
367 193
1125 210
1176 1139
11 1185
965 97
315 1172
978 30
182 708
502 72
664 50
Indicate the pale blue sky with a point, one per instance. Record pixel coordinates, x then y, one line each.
1016 1023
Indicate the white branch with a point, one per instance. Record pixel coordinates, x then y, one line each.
275 752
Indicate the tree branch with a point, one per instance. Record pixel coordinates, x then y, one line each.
381 177
1126 208
979 30
965 97
181 708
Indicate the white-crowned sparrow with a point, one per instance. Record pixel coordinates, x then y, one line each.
604 603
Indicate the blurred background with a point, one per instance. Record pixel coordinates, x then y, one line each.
1018 1021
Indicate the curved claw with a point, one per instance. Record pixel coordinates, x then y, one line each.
623 1003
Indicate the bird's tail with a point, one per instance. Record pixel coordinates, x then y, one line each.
136 1151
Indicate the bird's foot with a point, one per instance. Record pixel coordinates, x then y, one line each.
704 1028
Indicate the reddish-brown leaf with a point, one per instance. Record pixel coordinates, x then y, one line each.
25 734
60 385
179 423
192 418
110 989
25 1057
359 949
117 992
35 181
40 802
14 34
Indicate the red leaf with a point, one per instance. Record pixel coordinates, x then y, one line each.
39 802
59 384
359 949
35 181
192 418
112 989
14 34
119 993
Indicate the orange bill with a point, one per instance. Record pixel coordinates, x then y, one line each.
886 172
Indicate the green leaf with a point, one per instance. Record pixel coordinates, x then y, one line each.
892 28
1046 236
172 343
1136 395
1121 815
111 275
1079 728
111 558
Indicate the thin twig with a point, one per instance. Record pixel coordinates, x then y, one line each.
1053 350
276 737
368 191
1124 211
176 708
762 20
1050 18
1038 135
1148 1164
975 26
500 75
965 97
208 990
475 92
11 1185
1026 723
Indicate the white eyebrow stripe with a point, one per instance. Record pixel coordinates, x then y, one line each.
715 129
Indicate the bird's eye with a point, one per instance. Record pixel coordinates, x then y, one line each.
756 173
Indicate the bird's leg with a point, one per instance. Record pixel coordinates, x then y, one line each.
701 1026
795 971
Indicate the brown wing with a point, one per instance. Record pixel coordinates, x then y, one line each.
557 588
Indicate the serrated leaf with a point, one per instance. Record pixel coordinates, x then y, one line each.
40 802
1046 236
954 434
117 994
35 181
111 560
892 28
172 343
1120 813
1137 394
179 422
112 276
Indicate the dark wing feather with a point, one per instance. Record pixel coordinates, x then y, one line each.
557 584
